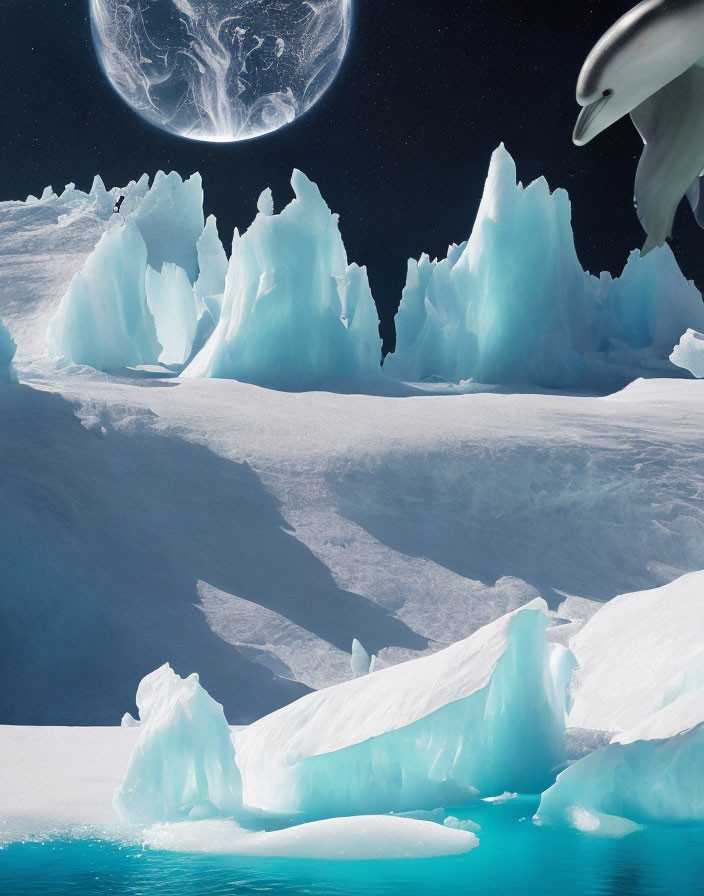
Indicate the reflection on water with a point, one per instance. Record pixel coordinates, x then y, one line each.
515 857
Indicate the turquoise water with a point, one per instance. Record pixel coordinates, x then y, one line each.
515 857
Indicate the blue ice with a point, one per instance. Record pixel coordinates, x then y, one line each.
183 765
7 353
295 315
513 305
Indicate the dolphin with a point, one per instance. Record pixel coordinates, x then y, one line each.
650 63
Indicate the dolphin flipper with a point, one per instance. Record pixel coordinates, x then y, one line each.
671 123
695 194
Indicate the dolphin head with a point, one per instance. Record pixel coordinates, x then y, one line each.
645 49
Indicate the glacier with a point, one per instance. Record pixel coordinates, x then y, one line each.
295 315
103 320
172 303
183 765
478 718
689 353
7 353
513 306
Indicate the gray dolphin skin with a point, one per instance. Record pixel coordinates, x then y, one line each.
650 63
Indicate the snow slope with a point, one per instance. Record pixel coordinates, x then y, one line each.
251 534
659 656
43 244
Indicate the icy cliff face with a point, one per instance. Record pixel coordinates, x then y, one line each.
294 314
513 305
183 765
103 320
481 717
7 353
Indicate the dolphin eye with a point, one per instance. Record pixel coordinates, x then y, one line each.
607 92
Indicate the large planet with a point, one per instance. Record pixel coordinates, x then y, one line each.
220 70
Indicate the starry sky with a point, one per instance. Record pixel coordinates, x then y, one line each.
399 145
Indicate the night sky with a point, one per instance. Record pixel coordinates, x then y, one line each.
399 145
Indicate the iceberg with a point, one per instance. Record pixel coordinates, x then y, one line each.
651 773
483 716
650 692
7 353
295 315
103 320
513 305
172 302
183 765
689 353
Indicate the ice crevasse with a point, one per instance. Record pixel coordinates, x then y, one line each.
172 303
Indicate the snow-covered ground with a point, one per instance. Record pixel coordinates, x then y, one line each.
251 535
60 781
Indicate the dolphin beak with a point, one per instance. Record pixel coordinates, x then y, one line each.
590 122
